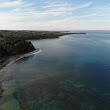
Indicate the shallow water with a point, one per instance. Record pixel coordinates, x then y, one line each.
79 66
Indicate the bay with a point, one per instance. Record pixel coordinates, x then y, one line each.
73 72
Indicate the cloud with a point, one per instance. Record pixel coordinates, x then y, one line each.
95 15
66 24
10 4
51 15
83 6
51 5
25 9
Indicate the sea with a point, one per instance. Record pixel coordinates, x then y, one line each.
69 73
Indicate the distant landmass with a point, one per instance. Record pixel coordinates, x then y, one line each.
30 35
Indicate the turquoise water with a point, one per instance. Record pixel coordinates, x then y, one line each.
78 64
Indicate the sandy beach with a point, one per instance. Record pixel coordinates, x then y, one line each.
10 60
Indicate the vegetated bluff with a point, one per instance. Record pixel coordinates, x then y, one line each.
14 46
13 42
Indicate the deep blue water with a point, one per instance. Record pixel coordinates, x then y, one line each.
82 61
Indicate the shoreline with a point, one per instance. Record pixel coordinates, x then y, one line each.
36 35
18 57
12 59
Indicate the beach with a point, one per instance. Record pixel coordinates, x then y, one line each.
10 60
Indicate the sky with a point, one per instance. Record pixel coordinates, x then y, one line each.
54 14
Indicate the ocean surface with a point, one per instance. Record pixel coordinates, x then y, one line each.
72 72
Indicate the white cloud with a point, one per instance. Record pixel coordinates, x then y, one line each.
83 6
9 4
66 24
23 14
93 15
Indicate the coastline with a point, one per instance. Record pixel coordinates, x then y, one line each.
36 35
18 57
12 59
